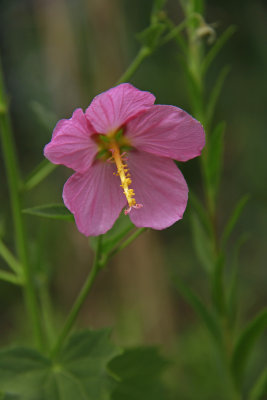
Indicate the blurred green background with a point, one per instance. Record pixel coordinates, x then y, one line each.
57 55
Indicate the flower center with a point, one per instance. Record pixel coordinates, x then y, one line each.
123 173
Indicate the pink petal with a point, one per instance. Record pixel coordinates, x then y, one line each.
167 131
115 107
71 143
160 187
95 198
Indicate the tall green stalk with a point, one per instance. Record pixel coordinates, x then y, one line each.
79 301
11 166
195 55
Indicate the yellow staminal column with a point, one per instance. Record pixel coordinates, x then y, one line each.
123 173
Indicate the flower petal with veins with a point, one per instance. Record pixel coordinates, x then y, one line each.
167 131
95 198
72 144
161 189
115 107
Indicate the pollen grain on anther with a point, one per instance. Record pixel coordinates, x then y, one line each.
124 174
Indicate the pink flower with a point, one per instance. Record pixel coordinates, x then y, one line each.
121 150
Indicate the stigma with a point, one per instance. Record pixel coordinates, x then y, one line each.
125 177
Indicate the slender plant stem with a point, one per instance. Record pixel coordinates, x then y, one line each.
79 301
11 261
195 57
47 313
126 243
11 278
13 183
143 53
39 174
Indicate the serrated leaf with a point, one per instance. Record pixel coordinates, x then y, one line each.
203 245
233 219
54 211
201 310
151 35
22 371
79 372
138 372
245 345
217 47
259 390
120 229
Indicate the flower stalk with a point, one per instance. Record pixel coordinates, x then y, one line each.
143 53
195 57
79 301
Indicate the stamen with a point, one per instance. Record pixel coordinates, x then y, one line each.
123 173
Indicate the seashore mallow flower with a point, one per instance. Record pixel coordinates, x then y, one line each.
122 150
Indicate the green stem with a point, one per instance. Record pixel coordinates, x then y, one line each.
122 246
13 183
175 30
11 261
39 173
47 313
195 57
144 52
79 301
11 278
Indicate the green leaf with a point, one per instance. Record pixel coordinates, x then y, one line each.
175 33
213 162
150 36
218 286
120 229
54 211
202 242
22 371
199 6
215 93
2 227
201 310
201 212
9 258
232 303
8 396
138 372
157 13
158 5
11 278
38 174
259 390
46 117
233 219
193 88
245 345
217 47
80 371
